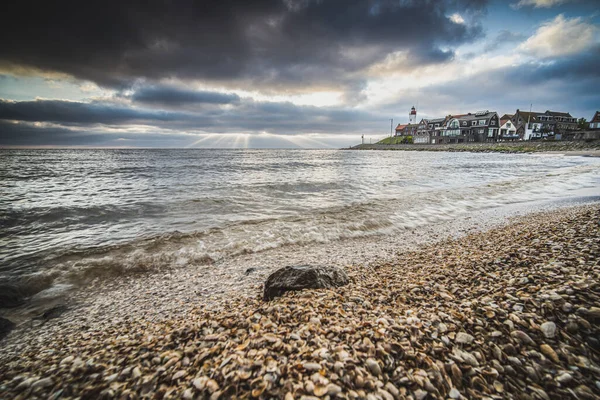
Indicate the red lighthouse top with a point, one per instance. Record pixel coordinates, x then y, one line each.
413 110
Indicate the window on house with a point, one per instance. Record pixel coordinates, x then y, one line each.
492 122
473 123
508 124
437 125
482 122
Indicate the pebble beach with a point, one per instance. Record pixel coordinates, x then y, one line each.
507 312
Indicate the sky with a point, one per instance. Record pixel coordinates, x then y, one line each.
283 73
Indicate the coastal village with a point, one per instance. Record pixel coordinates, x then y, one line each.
488 126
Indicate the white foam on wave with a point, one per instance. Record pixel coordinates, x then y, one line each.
415 206
378 217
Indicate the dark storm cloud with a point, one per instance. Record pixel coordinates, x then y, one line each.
266 42
248 116
172 96
59 111
26 134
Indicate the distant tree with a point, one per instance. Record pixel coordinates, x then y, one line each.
583 124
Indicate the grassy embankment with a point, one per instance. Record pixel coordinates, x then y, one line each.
503 147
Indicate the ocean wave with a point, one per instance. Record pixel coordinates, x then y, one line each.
254 221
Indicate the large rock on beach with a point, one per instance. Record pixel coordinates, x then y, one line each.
5 327
298 277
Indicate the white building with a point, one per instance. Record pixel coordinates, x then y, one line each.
528 124
508 130
412 117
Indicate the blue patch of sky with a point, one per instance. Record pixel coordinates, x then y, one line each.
30 88
526 20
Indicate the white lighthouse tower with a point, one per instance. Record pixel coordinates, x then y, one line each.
412 117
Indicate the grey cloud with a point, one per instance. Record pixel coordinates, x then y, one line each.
80 113
573 68
504 37
27 134
248 116
162 95
566 84
537 3
266 42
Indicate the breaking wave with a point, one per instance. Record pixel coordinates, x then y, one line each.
147 232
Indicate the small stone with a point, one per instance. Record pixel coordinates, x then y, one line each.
179 374
464 338
392 389
549 352
420 394
594 313
373 366
454 394
212 386
514 361
67 360
25 384
312 366
188 394
564 378
548 329
522 337
200 383
333 389
136 373
42 383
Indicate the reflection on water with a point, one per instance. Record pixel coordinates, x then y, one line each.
72 214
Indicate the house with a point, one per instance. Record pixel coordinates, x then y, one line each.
481 126
558 122
422 134
406 129
542 125
508 130
527 124
434 129
400 129
595 122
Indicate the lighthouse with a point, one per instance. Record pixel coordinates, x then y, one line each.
412 117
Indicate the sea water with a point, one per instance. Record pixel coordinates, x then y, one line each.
69 216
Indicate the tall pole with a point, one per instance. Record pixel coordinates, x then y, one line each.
391 126
529 119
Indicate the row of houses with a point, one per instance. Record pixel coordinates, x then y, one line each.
487 126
